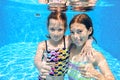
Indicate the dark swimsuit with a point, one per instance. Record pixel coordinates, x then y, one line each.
61 58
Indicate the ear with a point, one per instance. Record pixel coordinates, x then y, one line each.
90 30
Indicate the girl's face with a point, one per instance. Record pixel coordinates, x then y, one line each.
56 29
79 34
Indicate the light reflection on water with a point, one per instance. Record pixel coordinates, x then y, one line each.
16 59
17 62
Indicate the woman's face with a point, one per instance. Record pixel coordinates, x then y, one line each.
56 29
79 34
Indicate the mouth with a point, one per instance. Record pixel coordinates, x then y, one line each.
78 41
56 37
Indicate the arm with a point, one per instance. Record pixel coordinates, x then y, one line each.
41 65
89 71
39 55
104 68
87 49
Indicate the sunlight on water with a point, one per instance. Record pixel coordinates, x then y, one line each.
17 62
17 59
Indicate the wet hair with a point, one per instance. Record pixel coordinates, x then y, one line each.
57 16
83 19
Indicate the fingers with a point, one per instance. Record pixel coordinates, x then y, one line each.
87 49
46 66
43 78
83 68
50 63
83 72
86 70
44 71
44 74
86 74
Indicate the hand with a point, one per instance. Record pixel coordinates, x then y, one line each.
87 70
87 48
45 69
88 51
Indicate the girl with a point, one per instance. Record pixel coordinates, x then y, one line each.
82 66
55 50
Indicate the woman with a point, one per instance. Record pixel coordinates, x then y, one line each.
83 66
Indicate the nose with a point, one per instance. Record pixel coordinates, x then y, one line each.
56 32
75 36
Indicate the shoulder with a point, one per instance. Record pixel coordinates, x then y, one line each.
41 45
98 56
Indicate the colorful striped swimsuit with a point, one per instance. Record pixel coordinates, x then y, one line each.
61 58
74 72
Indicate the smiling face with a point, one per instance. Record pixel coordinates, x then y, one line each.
56 29
81 29
79 33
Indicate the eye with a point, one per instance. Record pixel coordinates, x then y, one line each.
79 31
72 32
60 29
52 29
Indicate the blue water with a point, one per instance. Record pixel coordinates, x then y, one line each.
17 62
21 29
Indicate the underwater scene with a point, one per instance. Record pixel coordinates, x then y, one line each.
23 24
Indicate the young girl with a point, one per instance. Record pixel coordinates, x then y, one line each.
54 50
82 66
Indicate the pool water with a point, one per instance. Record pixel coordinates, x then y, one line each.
17 62
23 25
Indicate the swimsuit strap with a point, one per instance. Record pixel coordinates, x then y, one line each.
64 42
46 45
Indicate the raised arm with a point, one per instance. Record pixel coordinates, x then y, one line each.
39 55
87 49
42 66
